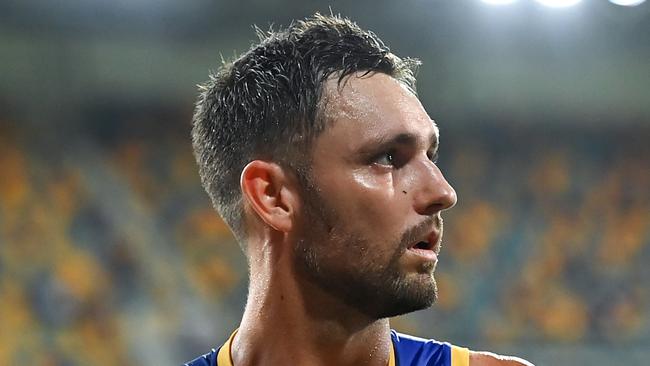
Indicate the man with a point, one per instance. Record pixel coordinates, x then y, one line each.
316 151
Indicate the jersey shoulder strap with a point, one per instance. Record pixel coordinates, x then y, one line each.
219 357
459 356
415 351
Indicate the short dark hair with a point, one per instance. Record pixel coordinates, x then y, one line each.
266 104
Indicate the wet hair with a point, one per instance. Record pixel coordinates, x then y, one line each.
266 104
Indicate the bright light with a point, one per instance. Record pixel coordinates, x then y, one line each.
498 2
558 3
627 2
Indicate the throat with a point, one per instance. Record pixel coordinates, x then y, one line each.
296 346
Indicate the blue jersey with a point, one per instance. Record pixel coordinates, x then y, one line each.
406 351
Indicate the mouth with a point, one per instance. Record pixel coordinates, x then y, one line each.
427 248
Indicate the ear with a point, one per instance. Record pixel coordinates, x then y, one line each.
267 189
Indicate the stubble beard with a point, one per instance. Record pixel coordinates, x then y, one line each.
349 267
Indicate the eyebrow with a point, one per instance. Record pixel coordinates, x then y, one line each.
403 138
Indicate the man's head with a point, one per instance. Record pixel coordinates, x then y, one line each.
267 104
326 103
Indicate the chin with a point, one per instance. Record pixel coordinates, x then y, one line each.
417 294
406 307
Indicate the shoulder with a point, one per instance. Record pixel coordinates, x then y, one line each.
414 350
405 341
491 359
410 350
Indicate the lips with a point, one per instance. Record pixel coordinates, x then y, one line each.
429 242
434 240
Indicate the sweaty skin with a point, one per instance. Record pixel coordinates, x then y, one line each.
375 189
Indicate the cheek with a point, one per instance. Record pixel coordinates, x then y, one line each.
406 180
370 181
373 195
367 204
375 202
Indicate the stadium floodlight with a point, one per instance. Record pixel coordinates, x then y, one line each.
498 2
558 3
627 2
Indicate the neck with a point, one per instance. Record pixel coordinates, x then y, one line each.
287 322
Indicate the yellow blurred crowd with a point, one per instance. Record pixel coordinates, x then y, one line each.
112 255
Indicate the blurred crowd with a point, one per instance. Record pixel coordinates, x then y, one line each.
111 254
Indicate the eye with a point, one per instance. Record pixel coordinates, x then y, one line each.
386 158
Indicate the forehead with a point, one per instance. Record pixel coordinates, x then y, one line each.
374 106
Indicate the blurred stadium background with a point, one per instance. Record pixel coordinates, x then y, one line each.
111 254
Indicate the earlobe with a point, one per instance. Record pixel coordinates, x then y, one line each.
265 187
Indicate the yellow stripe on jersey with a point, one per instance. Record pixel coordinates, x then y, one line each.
224 358
459 356
391 355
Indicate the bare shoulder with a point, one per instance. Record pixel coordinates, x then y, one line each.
491 359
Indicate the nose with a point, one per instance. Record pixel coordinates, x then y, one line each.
435 194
